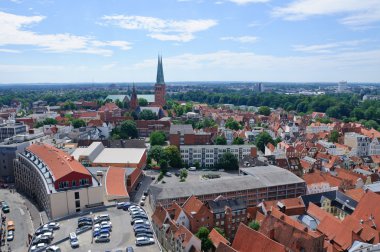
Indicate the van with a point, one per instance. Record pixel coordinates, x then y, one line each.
193 168
99 173
10 226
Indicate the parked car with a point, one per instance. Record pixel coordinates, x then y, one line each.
137 222
53 225
42 230
5 208
193 168
53 248
84 219
102 217
84 223
168 174
134 207
120 205
141 241
134 220
143 230
102 238
100 231
146 192
74 240
106 223
126 206
142 234
129 249
143 198
10 235
142 203
37 247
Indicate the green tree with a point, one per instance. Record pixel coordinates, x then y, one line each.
157 138
220 140
183 174
262 140
173 155
147 115
238 140
156 153
163 165
228 161
371 124
264 110
334 136
77 123
143 102
255 225
232 124
202 234
128 129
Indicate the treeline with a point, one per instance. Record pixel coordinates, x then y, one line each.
347 107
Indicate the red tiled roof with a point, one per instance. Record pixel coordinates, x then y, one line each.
184 235
108 107
115 182
192 204
59 162
368 206
355 194
217 238
95 123
159 215
316 212
246 239
224 248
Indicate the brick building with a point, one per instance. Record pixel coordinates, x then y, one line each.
184 134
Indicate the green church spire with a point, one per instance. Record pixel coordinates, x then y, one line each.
160 72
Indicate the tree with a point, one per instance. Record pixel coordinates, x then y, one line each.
238 140
220 140
202 234
143 102
255 225
264 110
334 136
232 124
262 140
183 174
228 161
157 138
77 123
156 153
173 155
128 129
163 165
147 115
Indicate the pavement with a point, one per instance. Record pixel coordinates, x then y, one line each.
122 235
19 213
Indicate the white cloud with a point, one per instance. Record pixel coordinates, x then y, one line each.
13 32
329 47
9 50
242 39
162 29
356 13
243 2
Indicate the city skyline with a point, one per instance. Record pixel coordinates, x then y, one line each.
230 40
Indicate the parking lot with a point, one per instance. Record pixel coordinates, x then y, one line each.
19 214
121 237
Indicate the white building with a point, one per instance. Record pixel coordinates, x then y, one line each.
315 128
374 147
359 143
208 155
55 181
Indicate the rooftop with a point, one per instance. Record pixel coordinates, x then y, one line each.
183 128
114 185
120 156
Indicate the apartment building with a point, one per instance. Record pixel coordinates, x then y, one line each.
11 129
184 134
260 183
209 155
55 181
359 143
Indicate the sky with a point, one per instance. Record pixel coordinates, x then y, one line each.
61 41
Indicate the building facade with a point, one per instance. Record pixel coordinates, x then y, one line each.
209 155
359 143
55 181
8 130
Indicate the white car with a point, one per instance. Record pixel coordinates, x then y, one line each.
106 223
141 241
143 197
192 168
53 225
38 246
74 240
168 174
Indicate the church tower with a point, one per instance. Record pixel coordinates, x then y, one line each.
134 103
160 87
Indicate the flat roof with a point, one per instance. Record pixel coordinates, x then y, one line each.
183 128
258 178
120 156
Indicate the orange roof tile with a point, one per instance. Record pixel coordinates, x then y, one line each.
217 238
316 212
192 204
355 194
246 239
115 182
368 206
159 215
59 162
224 248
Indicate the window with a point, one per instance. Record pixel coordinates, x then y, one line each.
74 183
77 203
76 195
83 182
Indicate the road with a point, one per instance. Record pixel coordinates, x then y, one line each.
22 219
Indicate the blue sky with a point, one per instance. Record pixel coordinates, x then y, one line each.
209 40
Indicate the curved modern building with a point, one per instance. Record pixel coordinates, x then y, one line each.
55 181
